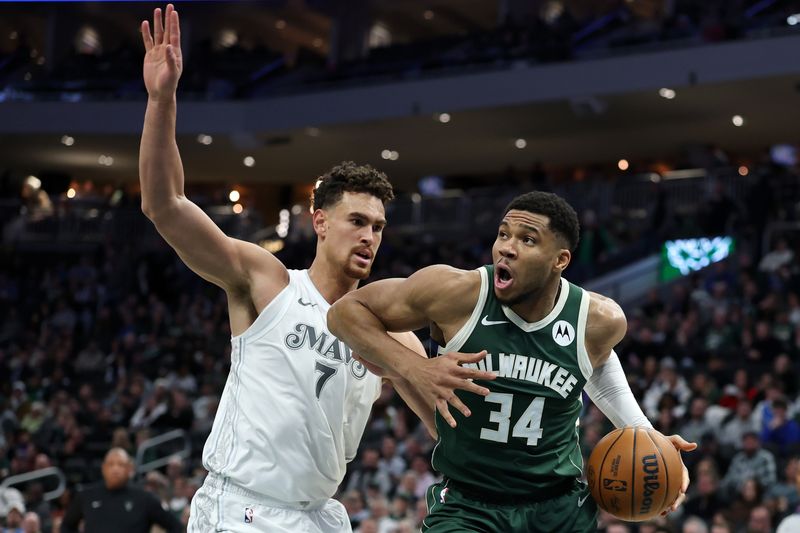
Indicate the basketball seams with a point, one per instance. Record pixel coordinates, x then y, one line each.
666 470
602 464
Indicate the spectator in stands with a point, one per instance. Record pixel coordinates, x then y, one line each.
752 462
780 256
695 425
760 520
783 498
31 523
694 524
781 433
115 505
705 500
668 381
737 424
14 517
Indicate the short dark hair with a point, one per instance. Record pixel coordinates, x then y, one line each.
563 219
349 177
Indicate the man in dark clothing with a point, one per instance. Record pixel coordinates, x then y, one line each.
115 505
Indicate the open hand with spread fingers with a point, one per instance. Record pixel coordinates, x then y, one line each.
163 61
438 378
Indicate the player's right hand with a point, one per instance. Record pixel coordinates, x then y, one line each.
163 61
438 378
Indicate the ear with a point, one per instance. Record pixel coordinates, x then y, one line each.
319 220
562 260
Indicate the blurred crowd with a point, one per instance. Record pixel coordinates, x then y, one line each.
122 343
243 65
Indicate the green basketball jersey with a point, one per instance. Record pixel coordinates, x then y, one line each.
522 439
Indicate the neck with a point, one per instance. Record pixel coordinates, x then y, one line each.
539 304
330 281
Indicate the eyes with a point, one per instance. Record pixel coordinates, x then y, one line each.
360 222
527 240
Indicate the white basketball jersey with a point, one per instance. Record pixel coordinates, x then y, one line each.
295 404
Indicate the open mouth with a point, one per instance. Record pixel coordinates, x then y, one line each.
503 277
363 257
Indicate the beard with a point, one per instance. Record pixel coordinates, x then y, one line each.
357 273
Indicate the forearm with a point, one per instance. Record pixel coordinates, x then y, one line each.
608 388
160 167
417 403
358 327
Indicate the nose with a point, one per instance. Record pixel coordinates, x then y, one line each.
507 250
367 236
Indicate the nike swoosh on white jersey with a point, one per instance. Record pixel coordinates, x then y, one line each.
486 322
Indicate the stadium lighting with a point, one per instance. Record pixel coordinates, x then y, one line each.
793 20
386 154
669 94
234 195
738 120
66 140
623 164
249 161
105 160
237 208
71 193
444 118
394 156
205 139
743 170
520 143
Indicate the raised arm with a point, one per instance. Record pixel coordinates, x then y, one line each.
226 262
439 294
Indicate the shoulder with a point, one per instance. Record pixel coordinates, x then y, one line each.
605 324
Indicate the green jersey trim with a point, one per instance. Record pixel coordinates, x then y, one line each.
584 362
458 340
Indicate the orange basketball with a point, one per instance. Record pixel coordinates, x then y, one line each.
634 473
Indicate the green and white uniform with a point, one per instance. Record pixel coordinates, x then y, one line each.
514 464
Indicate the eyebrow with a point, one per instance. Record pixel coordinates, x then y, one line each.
362 216
526 226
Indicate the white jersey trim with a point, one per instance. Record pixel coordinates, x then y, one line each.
463 334
584 362
528 327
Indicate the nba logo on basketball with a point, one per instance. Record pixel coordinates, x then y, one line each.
248 515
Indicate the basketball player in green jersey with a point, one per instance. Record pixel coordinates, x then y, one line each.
510 459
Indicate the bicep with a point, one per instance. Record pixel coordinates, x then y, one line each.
206 250
408 304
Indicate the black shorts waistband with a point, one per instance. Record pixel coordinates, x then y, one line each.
478 494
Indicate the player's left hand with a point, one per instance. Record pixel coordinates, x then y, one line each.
681 445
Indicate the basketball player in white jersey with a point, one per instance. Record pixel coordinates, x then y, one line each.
296 401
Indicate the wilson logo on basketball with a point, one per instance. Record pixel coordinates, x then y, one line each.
651 484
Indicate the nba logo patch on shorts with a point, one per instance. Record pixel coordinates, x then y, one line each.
248 515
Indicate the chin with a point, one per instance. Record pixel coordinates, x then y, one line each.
358 273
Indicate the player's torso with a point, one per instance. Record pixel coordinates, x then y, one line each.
295 403
522 438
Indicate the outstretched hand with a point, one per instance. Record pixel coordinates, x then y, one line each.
682 446
438 378
163 61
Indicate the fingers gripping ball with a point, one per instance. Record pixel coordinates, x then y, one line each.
634 473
